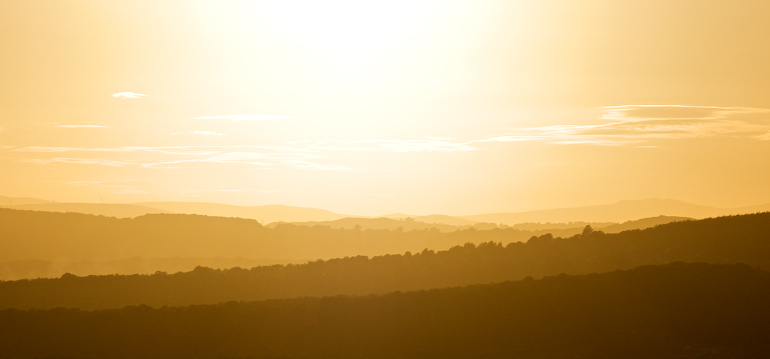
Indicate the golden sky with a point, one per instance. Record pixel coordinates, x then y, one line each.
453 107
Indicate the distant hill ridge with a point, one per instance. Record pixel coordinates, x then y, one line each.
47 244
621 211
735 239
75 237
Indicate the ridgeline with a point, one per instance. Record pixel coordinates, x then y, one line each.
733 239
677 310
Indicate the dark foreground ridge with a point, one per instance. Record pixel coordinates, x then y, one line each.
735 239
678 310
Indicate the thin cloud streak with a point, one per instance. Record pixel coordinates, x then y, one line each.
634 124
128 94
265 157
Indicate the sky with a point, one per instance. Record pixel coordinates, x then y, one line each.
420 107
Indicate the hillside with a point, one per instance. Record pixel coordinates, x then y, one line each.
677 310
738 239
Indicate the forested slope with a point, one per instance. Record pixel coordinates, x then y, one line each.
744 239
672 311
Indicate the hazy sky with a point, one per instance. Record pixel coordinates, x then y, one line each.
396 106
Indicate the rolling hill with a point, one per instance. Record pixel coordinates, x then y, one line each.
737 239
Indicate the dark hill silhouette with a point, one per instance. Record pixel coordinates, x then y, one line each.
678 310
738 239
100 209
263 214
617 212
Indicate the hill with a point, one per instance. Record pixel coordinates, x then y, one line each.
263 214
738 239
99 209
617 212
678 310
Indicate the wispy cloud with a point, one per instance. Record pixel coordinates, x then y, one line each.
128 95
637 125
267 157
251 117
207 133
633 124
81 126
